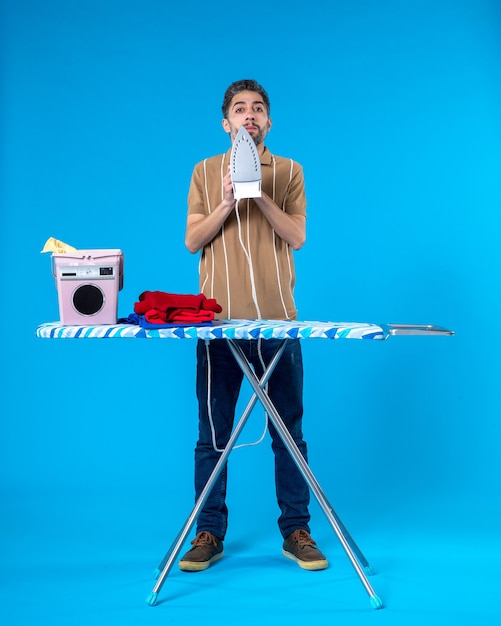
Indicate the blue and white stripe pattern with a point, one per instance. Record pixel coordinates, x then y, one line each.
220 329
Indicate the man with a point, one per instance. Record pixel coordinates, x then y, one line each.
247 265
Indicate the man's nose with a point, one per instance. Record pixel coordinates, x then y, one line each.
250 115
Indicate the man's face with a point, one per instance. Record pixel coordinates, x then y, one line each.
248 109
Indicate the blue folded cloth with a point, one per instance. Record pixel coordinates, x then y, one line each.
139 320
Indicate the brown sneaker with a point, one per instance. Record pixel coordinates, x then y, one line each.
300 547
207 548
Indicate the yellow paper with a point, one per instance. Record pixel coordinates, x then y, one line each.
54 245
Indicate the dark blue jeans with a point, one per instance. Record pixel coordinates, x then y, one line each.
285 389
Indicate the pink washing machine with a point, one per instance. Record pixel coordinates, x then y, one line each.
88 282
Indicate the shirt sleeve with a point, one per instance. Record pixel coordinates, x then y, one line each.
295 200
196 197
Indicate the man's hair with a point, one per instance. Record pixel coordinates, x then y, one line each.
244 85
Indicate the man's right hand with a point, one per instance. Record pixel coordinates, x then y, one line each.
229 196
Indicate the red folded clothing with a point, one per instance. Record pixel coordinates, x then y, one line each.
154 316
159 307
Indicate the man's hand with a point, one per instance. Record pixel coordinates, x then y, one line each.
228 187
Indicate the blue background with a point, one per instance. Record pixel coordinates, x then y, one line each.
394 110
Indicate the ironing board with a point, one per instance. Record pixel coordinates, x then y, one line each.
233 331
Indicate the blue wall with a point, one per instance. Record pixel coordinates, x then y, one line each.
394 110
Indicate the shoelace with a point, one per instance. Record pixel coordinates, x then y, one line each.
303 538
203 539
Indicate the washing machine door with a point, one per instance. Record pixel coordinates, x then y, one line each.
88 299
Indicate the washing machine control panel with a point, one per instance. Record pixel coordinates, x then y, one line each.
86 272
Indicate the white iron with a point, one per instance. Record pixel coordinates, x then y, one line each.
245 167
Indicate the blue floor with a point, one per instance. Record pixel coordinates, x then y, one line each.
71 559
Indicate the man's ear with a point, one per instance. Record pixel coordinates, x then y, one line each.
226 126
269 123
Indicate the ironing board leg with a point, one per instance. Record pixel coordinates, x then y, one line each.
346 541
166 564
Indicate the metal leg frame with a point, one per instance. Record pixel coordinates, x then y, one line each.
308 475
354 554
167 562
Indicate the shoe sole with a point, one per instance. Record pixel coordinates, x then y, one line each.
199 566
308 565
